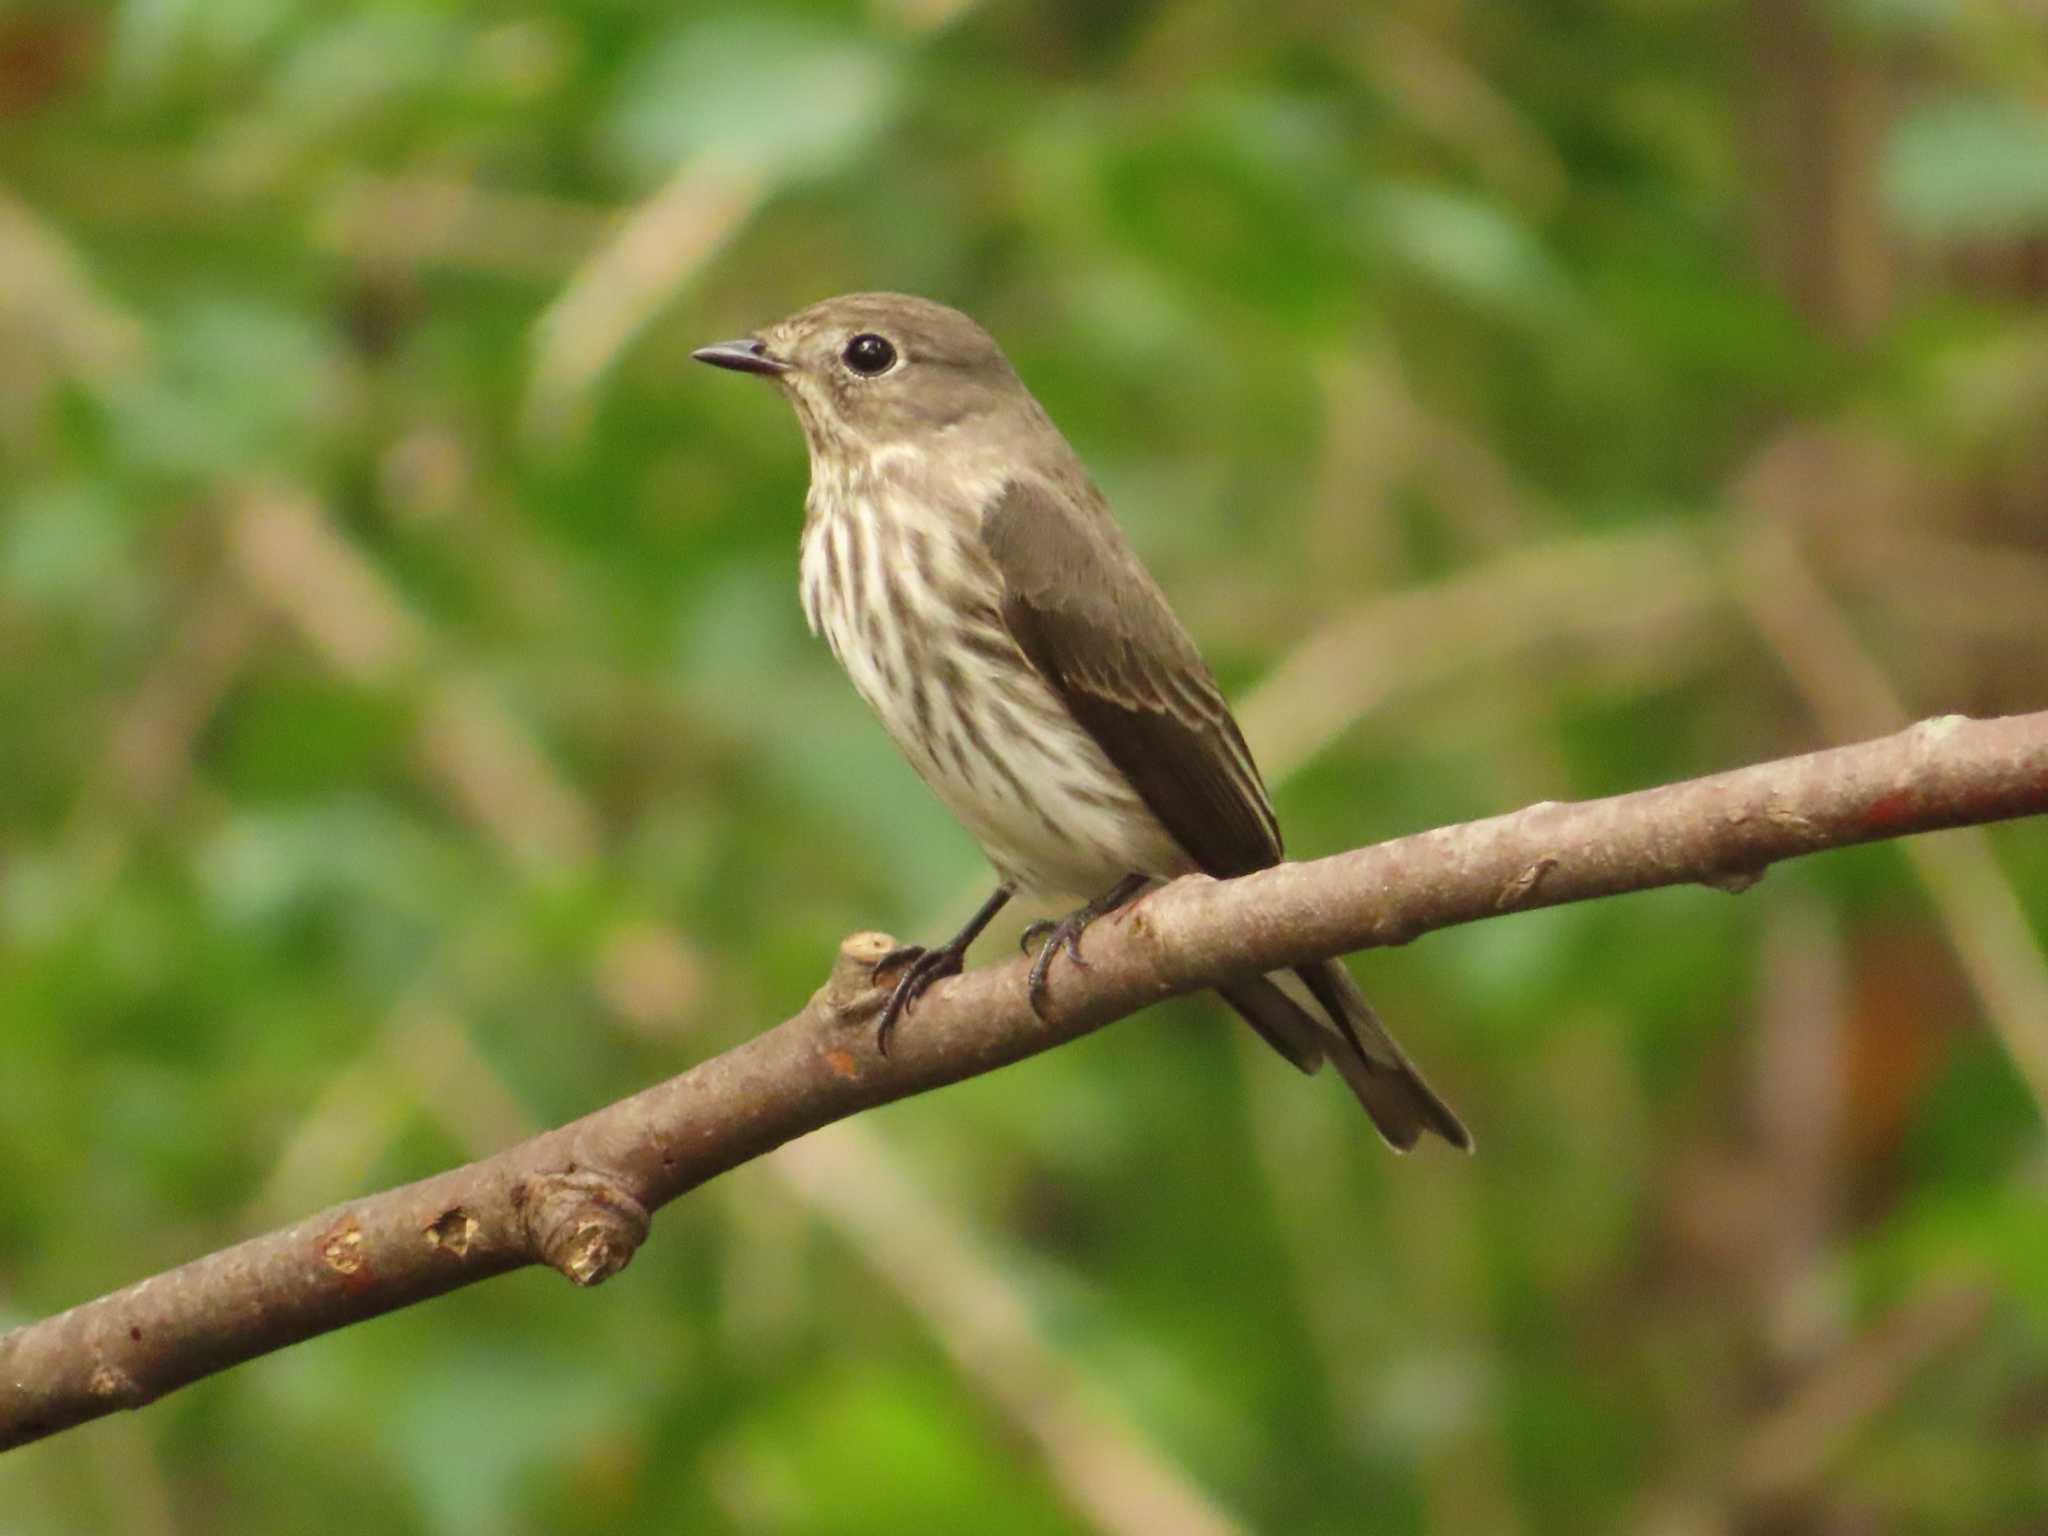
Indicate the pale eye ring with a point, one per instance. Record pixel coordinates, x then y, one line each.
869 355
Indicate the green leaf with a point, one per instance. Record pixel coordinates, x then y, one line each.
1470 249
1969 167
787 96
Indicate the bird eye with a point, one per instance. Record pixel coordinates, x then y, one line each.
868 354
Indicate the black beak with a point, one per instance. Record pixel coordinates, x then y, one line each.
747 356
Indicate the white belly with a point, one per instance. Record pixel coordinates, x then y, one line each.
911 618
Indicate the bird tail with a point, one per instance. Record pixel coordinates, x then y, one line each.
1401 1104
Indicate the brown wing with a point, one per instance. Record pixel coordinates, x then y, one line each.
1097 627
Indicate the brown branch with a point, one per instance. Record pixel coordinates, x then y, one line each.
579 1198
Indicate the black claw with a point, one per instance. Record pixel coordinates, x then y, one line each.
1066 934
921 967
1035 987
1033 932
902 954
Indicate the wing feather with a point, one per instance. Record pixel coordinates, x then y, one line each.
1090 618
1093 622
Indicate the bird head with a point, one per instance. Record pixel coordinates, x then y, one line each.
869 371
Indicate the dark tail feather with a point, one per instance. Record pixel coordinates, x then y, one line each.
1401 1104
1279 1021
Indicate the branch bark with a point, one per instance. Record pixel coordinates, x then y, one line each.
579 1198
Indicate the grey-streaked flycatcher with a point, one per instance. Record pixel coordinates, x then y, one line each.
969 577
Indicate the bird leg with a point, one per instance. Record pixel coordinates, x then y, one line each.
1066 933
922 967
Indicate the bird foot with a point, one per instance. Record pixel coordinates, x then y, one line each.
1065 933
921 967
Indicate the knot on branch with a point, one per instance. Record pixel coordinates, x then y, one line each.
1521 886
850 993
112 1385
586 1225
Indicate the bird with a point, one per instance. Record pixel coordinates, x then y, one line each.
969 577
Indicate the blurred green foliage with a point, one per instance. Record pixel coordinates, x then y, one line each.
411 740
